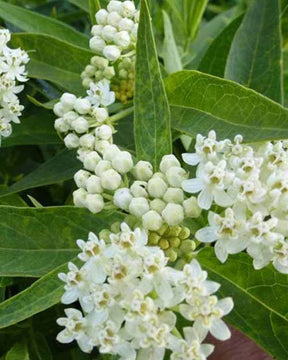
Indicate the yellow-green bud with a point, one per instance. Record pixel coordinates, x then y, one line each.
187 246
162 230
174 242
185 233
153 238
105 235
164 244
171 254
175 231
180 264
115 228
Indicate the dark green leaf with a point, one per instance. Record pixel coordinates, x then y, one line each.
39 347
36 23
152 116
206 36
34 129
18 352
260 299
94 6
171 56
82 4
255 58
193 12
201 102
61 167
34 241
214 61
11 200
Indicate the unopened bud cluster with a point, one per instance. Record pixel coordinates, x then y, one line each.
114 41
174 241
250 183
12 71
128 296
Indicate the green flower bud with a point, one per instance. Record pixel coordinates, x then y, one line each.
174 242
185 233
153 239
164 244
171 254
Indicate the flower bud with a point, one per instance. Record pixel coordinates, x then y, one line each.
101 17
71 141
111 152
134 32
159 175
191 207
93 185
157 205
128 8
143 170
99 62
167 162
80 125
61 125
157 187
115 6
139 189
109 32
91 160
109 72
81 178
79 197
87 141
173 214
82 106
110 180
103 132
68 100
97 44
111 52
122 162
70 116
122 39
102 145
94 203
102 166
126 24
113 19
100 114
90 70
152 220
139 206
174 195
96 30
176 175
59 109
122 198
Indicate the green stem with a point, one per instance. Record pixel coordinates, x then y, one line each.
121 115
176 332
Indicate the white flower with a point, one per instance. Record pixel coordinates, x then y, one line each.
111 52
157 187
95 203
152 220
139 189
139 206
100 94
173 214
211 181
110 179
103 132
122 198
93 185
143 170
68 101
82 106
71 141
123 162
167 162
80 125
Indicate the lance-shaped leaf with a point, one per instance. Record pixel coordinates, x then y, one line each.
94 6
152 115
214 61
34 241
62 167
255 58
260 299
19 351
82 4
201 102
34 22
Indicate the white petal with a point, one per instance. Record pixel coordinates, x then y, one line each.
163 288
190 334
220 330
185 311
65 337
207 234
226 305
236 246
221 252
205 199
222 198
207 349
191 159
192 185
211 286
283 269
70 296
84 344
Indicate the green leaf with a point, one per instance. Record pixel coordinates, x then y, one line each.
54 60
260 299
34 22
171 56
61 167
193 12
206 36
18 352
214 61
41 295
82 4
94 6
34 130
39 347
152 115
201 102
34 241
11 200
255 58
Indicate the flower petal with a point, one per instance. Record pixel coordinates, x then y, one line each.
220 330
207 234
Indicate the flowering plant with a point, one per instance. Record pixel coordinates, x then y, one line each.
163 142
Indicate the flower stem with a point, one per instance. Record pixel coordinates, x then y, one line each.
121 115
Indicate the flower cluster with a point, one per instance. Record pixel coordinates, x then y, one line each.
114 41
250 182
12 70
127 293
